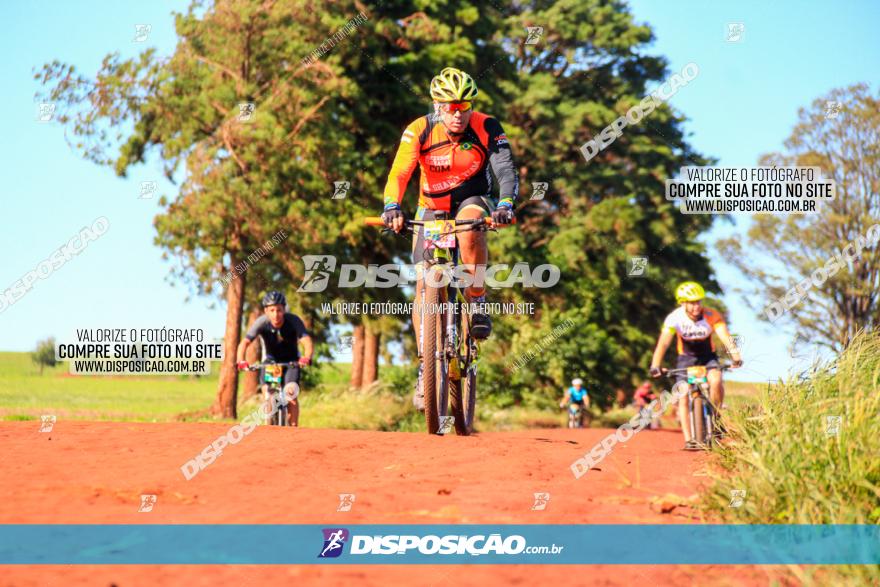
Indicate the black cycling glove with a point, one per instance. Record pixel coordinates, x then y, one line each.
503 214
392 212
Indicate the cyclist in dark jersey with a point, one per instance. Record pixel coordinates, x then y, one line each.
281 333
455 149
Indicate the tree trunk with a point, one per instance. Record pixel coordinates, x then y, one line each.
252 356
371 357
227 389
357 357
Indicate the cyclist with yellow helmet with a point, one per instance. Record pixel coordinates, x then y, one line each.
455 148
692 325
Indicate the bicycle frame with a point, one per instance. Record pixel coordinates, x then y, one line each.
442 260
698 387
275 387
452 348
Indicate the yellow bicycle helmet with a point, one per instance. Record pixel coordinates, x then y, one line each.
689 291
453 85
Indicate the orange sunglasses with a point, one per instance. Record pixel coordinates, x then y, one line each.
455 106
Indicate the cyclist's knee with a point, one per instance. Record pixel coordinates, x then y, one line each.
471 212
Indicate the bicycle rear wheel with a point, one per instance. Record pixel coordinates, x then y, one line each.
434 375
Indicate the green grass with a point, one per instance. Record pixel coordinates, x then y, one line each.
25 394
793 472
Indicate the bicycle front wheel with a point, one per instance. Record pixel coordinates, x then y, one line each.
700 420
434 374
463 393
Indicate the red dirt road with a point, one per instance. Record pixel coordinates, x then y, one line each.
89 472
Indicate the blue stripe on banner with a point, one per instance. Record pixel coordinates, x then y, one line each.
438 544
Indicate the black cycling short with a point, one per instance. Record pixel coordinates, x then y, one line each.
418 250
710 361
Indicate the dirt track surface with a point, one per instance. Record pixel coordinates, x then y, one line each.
94 473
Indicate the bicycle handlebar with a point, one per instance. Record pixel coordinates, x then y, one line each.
472 222
723 367
259 366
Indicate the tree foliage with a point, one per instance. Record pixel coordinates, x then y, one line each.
339 118
846 147
44 354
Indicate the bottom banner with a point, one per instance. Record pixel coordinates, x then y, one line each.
438 544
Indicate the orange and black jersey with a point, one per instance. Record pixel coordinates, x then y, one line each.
453 171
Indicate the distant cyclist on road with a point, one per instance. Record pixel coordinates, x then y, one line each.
642 398
576 395
455 148
281 332
693 326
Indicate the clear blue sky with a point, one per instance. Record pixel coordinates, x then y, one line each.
743 103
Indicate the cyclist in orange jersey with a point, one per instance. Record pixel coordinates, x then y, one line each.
455 148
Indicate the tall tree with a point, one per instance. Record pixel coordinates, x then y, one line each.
247 124
840 134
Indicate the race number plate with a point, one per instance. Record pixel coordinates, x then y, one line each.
696 374
440 234
273 374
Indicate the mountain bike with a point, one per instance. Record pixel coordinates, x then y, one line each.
449 355
273 377
702 413
575 416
